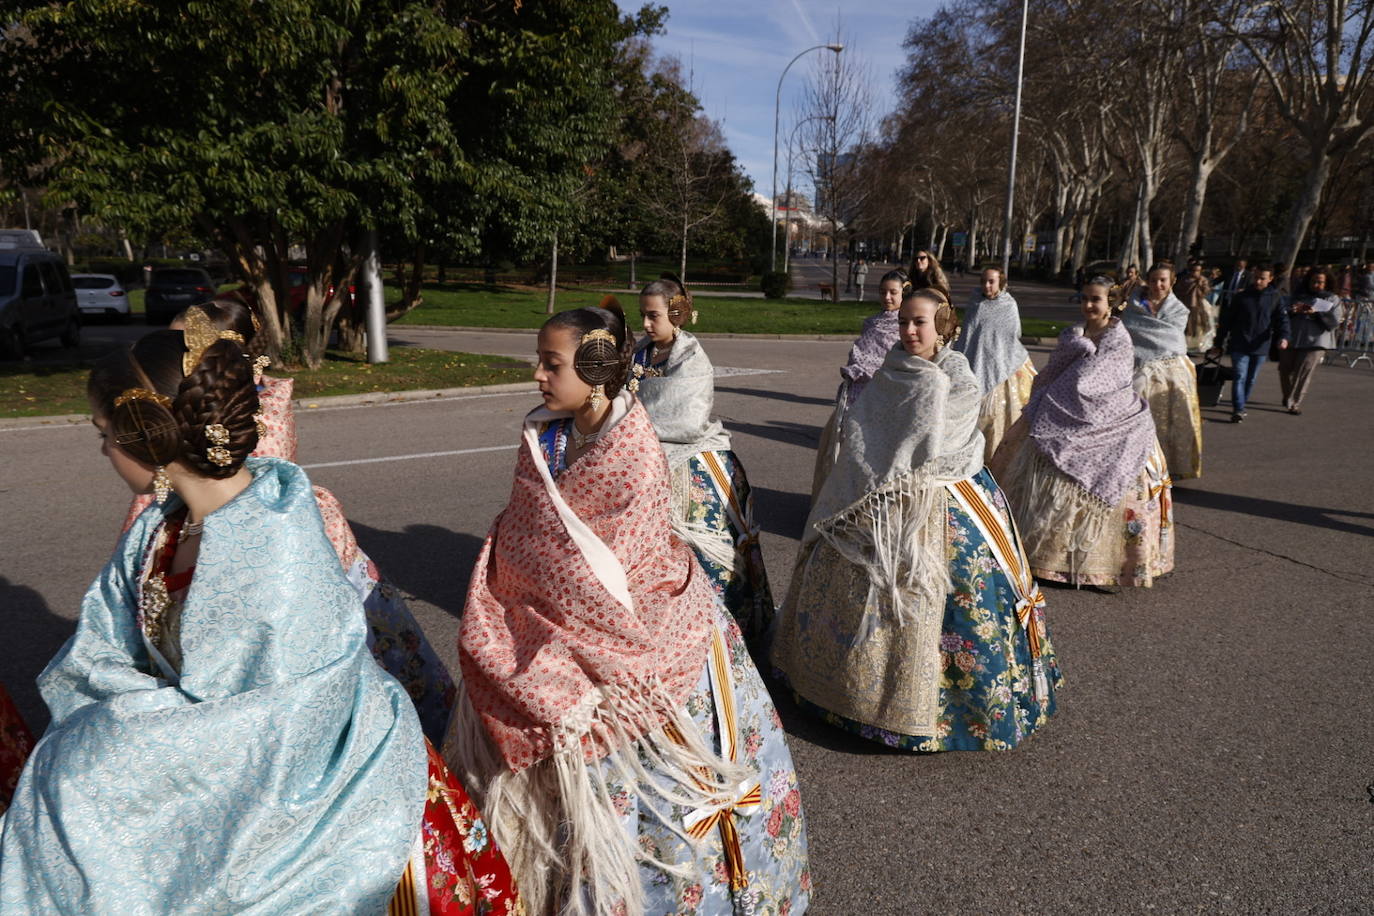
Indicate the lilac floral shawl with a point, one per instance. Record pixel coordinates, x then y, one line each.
1085 415
866 357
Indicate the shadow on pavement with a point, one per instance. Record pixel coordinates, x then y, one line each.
803 434
781 512
779 396
1280 511
33 634
429 562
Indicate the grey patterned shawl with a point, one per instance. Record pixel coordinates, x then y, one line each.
680 401
914 430
991 339
1085 415
1157 335
878 336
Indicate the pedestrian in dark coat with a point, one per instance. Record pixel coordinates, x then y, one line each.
1254 319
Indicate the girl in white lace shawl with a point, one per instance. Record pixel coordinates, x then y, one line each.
896 626
1157 322
991 340
712 505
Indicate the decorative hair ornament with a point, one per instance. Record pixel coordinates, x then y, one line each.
260 425
200 334
260 364
219 455
598 360
142 394
217 434
257 323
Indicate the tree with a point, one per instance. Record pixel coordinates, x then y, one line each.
271 124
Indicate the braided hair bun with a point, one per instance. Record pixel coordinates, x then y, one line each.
171 418
604 347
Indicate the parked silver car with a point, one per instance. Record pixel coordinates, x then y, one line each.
37 300
101 294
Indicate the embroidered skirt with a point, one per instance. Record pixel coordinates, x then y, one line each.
16 742
987 692
1170 386
1073 539
1002 407
714 508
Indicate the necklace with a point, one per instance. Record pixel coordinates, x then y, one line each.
190 530
580 439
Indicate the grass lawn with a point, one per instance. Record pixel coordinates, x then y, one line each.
35 390
517 307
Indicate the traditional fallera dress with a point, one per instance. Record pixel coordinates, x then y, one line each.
991 340
912 618
16 741
393 634
1168 379
712 504
610 720
866 356
222 740
1083 470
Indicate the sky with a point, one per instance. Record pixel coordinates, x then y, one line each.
736 49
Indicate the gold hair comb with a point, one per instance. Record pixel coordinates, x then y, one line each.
200 334
142 394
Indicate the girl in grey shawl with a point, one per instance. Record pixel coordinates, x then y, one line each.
1082 468
991 340
912 618
1157 322
713 507
878 336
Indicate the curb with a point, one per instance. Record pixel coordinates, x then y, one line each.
308 404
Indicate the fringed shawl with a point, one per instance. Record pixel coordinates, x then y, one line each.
1085 415
991 339
586 619
914 431
1157 334
878 336
680 400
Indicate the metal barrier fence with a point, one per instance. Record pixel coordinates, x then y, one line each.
1355 333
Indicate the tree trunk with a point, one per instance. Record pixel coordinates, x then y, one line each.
633 278
1319 170
944 237
682 258
971 252
553 275
1130 245
834 261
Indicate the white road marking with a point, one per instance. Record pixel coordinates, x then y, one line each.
462 451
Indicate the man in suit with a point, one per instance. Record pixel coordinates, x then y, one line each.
1237 281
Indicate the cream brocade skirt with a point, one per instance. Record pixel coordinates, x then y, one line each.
1067 535
1002 408
1170 386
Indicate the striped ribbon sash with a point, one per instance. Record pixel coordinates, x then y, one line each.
700 822
999 531
725 491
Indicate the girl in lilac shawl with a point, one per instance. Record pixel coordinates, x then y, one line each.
879 335
1082 468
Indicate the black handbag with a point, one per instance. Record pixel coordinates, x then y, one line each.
1212 376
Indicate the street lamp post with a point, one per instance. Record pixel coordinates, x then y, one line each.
787 228
777 113
1015 131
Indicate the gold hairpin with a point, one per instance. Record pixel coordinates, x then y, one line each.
142 394
200 334
598 334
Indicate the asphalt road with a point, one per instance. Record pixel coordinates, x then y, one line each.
1212 752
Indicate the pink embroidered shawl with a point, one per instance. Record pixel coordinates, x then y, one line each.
545 644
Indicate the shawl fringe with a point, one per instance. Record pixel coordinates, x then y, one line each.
570 851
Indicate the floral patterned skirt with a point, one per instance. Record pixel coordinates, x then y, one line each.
1170 387
715 506
1002 405
16 743
987 692
772 839
1136 545
456 868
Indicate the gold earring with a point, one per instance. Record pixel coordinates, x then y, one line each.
162 485
939 341
597 398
